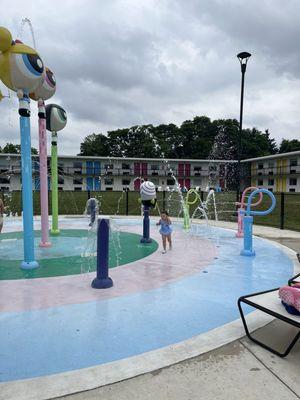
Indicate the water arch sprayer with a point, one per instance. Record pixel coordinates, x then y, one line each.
242 205
248 220
186 207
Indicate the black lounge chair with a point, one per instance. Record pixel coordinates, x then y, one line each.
294 279
269 303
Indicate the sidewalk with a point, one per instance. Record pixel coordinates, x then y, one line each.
237 371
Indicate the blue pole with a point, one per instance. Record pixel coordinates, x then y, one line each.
102 280
248 224
28 241
146 226
248 220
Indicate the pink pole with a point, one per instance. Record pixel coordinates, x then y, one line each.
43 175
242 205
240 231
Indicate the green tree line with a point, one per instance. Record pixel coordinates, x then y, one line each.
200 138
11 148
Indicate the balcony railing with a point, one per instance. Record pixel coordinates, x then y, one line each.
286 170
94 172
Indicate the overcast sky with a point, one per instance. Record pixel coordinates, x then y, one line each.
119 63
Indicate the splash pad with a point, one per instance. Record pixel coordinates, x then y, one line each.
139 316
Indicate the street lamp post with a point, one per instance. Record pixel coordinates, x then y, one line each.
243 59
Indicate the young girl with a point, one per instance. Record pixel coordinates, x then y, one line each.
165 230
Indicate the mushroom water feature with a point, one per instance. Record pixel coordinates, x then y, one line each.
44 92
56 120
148 199
22 70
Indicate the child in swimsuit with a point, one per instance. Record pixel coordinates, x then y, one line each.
165 230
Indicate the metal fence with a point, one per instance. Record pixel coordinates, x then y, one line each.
285 216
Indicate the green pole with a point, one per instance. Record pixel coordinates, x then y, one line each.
54 229
186 217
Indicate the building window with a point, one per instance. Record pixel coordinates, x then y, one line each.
108 181
60 189
60 167
77 166
260 182
108 166
125 181
109 189
61 180
260 166
293 181
35 166
271 182
271 166
154 167
126 173
125 166
292 190
77 189
197 168
77 181
270 189
5 180
170 182
293 164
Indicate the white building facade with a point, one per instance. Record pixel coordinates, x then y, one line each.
81 173
279 172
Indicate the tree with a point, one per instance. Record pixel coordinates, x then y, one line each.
15 149
286 146
199 138
95 145
257 144
168 140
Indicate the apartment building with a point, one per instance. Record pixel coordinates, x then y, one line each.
80 173
278 172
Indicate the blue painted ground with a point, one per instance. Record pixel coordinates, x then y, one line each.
54 340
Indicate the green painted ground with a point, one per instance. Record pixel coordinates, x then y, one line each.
124 248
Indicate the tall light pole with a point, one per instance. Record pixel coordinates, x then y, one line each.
243 59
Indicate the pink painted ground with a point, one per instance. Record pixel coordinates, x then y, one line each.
190 255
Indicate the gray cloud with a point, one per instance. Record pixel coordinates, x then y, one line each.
120 63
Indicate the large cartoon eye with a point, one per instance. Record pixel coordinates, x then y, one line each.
61 114
47 88
56 118
50 78
27 71
33 63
